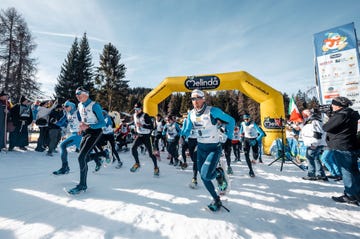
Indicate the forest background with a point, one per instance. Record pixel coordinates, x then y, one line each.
107 82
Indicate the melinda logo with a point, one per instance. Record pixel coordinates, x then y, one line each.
202 82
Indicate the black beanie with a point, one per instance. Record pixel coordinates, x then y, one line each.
341 101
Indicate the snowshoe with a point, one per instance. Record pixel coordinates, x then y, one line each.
183 165
346 199
229 170
107 156
135 167
61 171
221 180
78 189
193 184
119 165
98 166
156 171
216 205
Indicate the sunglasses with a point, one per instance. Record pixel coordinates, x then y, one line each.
137 109
79 92
196 98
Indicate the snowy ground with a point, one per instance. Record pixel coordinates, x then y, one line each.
120 204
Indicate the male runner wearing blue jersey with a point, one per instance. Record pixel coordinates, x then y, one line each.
204 119
92 121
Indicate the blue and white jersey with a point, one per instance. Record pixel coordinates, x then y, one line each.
70 119
206 126
73 121
91 114
108 129
251 131
236 135
171 130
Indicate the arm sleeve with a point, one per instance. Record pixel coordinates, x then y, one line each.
164 130
260 131
62 122
98 112
185 131
221 115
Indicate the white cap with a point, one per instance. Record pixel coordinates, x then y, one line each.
197 93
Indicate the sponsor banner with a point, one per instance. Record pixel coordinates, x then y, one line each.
337 64
273 123
202 82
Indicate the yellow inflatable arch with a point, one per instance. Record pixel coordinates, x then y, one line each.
270 100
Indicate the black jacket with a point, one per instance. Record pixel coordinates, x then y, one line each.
54 116
341 129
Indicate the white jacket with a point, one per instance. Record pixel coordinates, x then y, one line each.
43 112
312 134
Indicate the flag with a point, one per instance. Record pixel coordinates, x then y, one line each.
294 113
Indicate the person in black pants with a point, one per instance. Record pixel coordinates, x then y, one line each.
171 131
159 127
251 134
54 130
190 143
144 125
341 137
92 121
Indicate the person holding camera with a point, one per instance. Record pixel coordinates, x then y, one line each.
341 130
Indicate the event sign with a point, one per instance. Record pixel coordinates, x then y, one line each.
337 64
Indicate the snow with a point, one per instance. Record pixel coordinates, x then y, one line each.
121 204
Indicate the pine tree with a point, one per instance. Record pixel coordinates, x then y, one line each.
286 104
84 67
67 81
242 105
233 104
300 100
113 89
175 104
16 66
185 103
253 110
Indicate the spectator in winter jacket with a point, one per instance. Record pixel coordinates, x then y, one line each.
341 130
21 116
4 115
42 120
54 130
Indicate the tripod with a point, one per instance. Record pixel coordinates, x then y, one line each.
283 155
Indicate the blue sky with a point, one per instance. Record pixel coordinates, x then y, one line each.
270 39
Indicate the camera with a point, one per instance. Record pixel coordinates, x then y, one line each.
326 109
